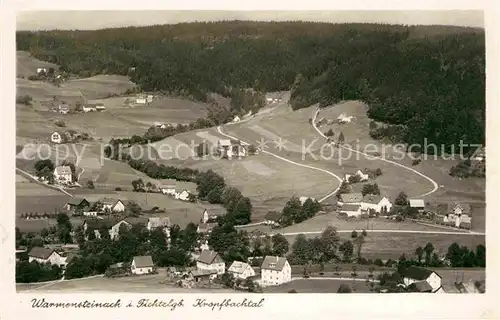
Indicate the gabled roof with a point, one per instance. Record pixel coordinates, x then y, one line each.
76 201
421 286
143 261
465 207
209 257
273 263
203 273
109 201
350 207
101 223
372 198
351 197
417 273
238 267
41 253
417 203
62 170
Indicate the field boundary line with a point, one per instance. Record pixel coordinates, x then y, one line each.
436 187
384 231
219 129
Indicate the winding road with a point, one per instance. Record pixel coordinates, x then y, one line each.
435 185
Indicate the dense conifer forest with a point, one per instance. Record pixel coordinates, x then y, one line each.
428 81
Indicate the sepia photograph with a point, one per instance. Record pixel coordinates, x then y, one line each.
250 152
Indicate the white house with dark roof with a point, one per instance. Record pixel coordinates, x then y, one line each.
351 210
414 275
63 108
241 270
211 260
142 265
45 255
376 202
62 174
155 222
275 271
76 203
350 198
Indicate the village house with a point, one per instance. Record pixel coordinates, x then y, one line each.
141 99
76 203
56 137
89 107
350 198
351 210
418 204
210 260
114 231
63 174
376 202
63 108
241 270
113 205
229 149
88 212
41 70
275 271
100 107
273 218
207 218
343 118
45 255
168 189
202 276
149 98
418 276
457 213
142 265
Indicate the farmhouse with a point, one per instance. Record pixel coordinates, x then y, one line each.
376 202
76 203
273 218
210 260
114 232
149 98
184 195
142 265
56 137
275 271
458 213
89 107
417 275
45 255
113 205
63 174
241 270
350 198
141 99
418 204
343 118
204 276
229 149
168 189
351 210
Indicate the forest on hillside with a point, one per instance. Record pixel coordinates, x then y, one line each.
427 80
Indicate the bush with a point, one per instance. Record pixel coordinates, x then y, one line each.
60 123
415 162
354 234
26 100
378 262
118 189
90 184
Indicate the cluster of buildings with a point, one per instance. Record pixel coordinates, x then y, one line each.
144 99
229 149
183 194
91 107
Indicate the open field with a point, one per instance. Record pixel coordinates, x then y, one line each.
25 187
318 286
287 180
393 245
26 65
100 86
132 284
